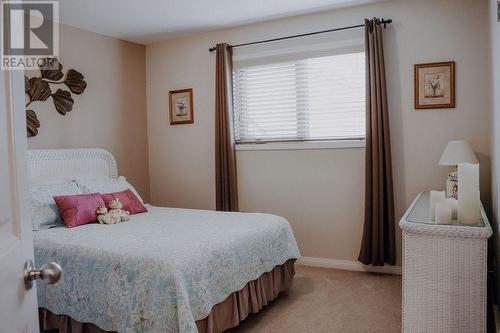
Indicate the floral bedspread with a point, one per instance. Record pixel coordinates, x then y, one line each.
162 270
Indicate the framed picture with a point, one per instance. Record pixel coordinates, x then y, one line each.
435 85
181 106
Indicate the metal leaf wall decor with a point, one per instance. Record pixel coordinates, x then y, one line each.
38 89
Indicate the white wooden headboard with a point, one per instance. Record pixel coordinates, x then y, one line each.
51 164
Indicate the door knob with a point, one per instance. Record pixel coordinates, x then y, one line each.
51 273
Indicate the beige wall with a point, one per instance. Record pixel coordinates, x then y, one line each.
111 113
321 191
495 134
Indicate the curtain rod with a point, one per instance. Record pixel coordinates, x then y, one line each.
385 22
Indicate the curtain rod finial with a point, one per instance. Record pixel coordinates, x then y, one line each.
212 49
386 22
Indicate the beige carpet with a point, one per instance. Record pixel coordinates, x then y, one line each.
327 300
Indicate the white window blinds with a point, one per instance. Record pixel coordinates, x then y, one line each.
310 97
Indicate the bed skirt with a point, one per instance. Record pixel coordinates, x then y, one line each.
228 314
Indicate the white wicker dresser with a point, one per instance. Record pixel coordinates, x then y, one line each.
444 273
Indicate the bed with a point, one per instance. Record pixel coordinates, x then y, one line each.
166 270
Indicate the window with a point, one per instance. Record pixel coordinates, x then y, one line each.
308 98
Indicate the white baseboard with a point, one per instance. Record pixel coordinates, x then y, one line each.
348 265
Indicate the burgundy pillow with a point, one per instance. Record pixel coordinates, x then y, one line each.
79 209
128 199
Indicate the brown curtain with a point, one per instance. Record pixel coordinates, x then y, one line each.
225 159
379 243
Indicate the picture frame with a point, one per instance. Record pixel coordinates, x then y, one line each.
181 110
435 85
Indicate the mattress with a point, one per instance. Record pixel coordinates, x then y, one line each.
161 271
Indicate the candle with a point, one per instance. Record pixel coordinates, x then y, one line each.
443 213
453 203
435 197
468 194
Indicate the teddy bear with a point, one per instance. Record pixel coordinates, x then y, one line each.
116 211
104 217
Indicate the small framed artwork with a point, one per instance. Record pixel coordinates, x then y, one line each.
435 85
181 106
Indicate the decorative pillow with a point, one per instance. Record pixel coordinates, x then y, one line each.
106 185
128 199
79 209
44 211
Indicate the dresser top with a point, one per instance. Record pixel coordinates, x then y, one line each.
416 220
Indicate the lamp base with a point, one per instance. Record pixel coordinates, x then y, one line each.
452 185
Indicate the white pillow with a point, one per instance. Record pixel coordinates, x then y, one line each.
44 211
106 185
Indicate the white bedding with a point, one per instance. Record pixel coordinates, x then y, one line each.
162 270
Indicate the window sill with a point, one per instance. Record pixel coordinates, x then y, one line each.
316 145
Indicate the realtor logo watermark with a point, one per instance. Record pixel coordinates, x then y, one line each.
30 34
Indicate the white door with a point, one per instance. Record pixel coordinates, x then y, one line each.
18 307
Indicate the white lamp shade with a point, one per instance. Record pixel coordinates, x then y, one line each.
457 152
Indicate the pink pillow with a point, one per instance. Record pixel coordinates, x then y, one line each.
128 199
79 209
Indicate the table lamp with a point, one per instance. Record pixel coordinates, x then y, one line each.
456 152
